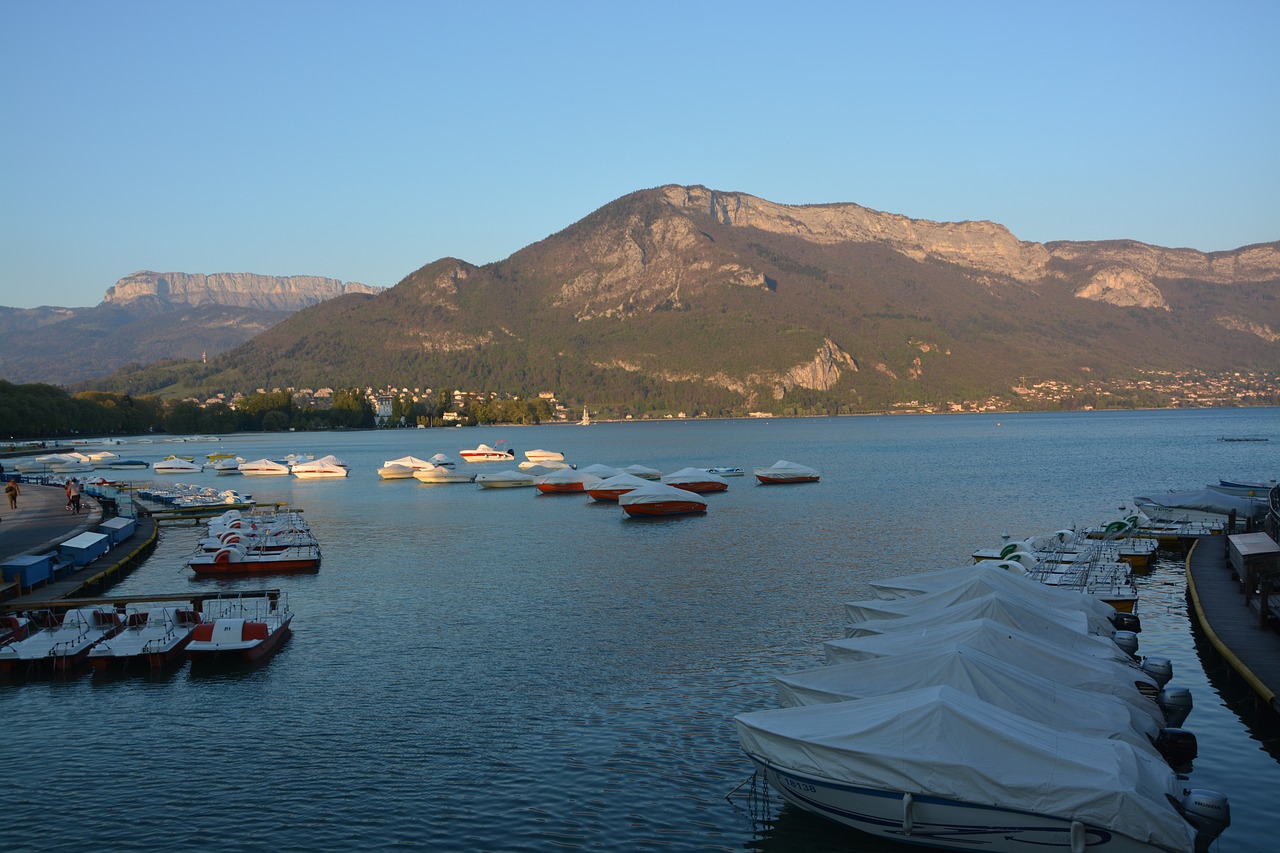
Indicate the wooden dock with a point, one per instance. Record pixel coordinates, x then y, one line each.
1235 629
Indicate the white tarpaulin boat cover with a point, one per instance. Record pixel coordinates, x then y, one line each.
990 636
839 680
320 466
1209 500
997 606
568 476
988 581
659 493
1093 698
907 586
409 462
939 742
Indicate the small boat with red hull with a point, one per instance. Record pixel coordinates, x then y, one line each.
236 560
566 481
65 641
243 628
612 488
657 499
698 480
157 637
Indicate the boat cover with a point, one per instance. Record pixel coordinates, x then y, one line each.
565 476
408 462
939 742
979 582
602 471
621 481
693 475
783 467
264 465
967 602
993 637
657 493
320 466
991 574
1091 697
644 472
506 477
1210 500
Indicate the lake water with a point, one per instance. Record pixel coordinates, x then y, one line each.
499 670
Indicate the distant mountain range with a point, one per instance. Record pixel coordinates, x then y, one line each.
686 297
149 316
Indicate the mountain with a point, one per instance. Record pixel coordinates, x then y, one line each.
148 316
686 297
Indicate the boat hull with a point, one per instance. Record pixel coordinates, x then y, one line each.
672 507
775 479
701 487
938 822
251 566
561 488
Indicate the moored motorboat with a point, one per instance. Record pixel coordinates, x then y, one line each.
128 464
485 453
245 628
440 475
1203 505
935 766
504 479
612 488
783 471
659 499
566 481
544 456
320 469
264 468
228 465
644 472
402 468
696 480
725 471
157 637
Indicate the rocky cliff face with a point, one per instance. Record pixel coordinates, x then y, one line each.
243 290
1123 273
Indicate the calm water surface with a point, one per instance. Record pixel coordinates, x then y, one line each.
498 670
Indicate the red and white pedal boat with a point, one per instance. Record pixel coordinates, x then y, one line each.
158 637
236 560
244 628
65 642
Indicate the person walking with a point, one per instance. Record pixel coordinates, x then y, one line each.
75 496
66 487
11 489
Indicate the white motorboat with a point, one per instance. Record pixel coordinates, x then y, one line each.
229 465
264 468
536 456
504 480
783 471
175 465
439 474
1204 505
485 453
402 468
537 468
320 469
725 471
937 767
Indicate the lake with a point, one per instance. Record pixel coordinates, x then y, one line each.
506 671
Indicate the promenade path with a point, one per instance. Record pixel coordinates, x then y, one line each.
41 522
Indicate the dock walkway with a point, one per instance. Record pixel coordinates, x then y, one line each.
1231 625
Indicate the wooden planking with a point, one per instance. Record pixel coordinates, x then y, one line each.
1231 625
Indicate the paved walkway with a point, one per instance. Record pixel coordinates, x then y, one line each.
41 522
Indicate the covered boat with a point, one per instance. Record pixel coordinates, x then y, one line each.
655 499
696 480
177 465
602 471
566 481
937 767
402 468
441 474
783 471
611 488
156 637
485 453
244 628
544 456
644 472
320 469
504 479
1203 505
264 468
229 465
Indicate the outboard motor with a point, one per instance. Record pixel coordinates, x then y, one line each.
1178 747
1128 641
1161 669
1176 704
1127 622
1207 811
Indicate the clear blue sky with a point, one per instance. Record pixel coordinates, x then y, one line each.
361 140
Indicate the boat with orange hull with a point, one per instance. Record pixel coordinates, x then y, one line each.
612 488
658 499
236 560
566 481
244 628
698 480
